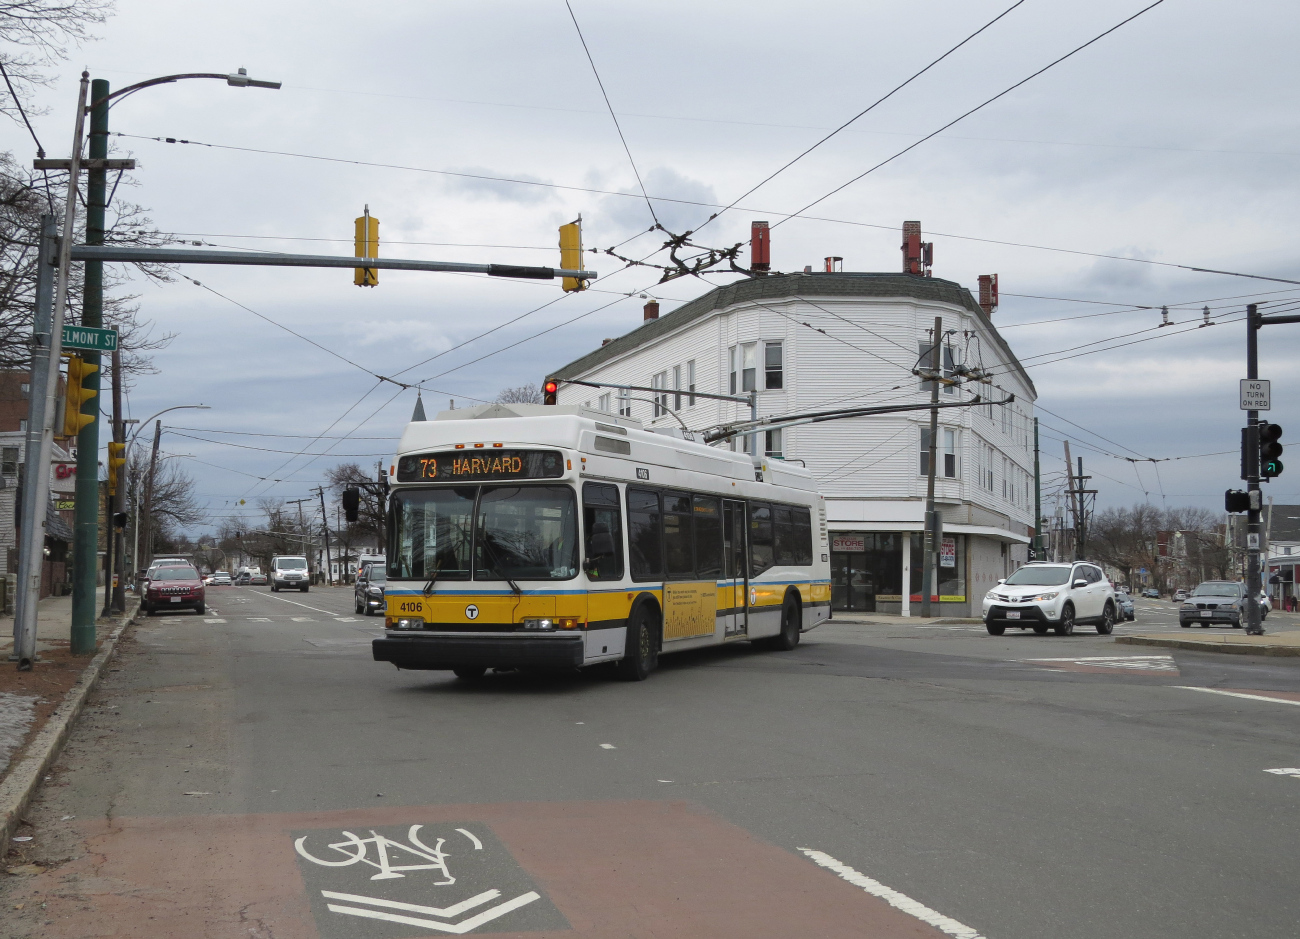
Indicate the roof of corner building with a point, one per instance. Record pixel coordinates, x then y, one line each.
792 286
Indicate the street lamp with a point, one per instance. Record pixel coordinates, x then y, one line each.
153 463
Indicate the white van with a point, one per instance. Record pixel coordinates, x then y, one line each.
289 571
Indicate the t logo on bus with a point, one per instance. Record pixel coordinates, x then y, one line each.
471 612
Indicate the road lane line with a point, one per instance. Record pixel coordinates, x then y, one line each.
898 901
296 603
1238 694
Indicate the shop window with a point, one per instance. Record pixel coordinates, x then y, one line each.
9 464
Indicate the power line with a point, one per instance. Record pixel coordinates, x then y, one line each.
977 107
249 433
604 94
246 446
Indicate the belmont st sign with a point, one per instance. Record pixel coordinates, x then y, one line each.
89 338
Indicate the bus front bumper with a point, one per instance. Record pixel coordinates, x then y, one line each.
435 653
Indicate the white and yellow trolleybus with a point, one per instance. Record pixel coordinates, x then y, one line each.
560 537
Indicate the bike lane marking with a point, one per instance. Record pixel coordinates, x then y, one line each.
588 870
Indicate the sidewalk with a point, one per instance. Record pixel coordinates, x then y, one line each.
1235 642
893 619
54 623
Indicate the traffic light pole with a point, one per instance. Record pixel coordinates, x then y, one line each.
116 535
1253 587
85 539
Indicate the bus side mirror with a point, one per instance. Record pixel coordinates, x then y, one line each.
351 503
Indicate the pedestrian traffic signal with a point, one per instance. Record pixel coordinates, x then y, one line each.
1270 451
1234 500
571 255
116 458
549 391
367 246
119 520
79 371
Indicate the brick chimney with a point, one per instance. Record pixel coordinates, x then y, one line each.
989 293
652 310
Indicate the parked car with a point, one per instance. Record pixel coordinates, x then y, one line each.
174 588
1180 595
1215 601
1151 593
1265 604
368 594
289 571
243 577
168 563
1124 605
257 579
1045 595
221 579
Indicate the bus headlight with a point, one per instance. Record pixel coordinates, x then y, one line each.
405 622
539 623
549 624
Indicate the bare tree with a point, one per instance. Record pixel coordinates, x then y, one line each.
370 512
173 507
35 34
522 394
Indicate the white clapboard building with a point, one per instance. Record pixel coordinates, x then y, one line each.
816 341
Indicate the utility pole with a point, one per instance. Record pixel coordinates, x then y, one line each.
148 494
325 523
1081 522
1074 499
117 536
930 540
1038 500
1253 625
302 531
112 553
85 544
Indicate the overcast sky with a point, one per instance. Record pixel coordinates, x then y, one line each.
1172 140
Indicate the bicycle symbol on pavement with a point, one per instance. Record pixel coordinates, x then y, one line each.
357 850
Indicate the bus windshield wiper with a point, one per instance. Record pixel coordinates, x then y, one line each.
428 587
494 566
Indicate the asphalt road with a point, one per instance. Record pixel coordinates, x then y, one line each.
1022 786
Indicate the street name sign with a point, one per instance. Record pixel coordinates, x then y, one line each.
1255 394
89 338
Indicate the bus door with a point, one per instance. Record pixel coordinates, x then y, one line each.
735 570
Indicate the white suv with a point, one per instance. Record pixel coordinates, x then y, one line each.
1058 595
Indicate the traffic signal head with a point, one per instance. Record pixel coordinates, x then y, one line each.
1270 450
367 246
549 391
571 254
351 504
116 458
79 373
1234 500
119 520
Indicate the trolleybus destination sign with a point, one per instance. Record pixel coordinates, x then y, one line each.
480 464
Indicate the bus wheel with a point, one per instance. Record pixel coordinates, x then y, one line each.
788 637
641 650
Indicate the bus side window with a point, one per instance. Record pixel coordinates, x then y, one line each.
803 550
679 536
644 537
783 529
603 524
708 538
760 538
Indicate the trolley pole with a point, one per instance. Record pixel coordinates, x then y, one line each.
930 539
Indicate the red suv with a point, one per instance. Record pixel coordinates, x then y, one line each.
173 588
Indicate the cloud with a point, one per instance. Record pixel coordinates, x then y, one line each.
498 188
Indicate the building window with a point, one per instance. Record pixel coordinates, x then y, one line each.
677 387
949 364
1006 472
9 462
22 427
602 402
948 465
773 373
660 398
772 444
624 403
1006 419
749 367
988 469
731 369
690 382
25 388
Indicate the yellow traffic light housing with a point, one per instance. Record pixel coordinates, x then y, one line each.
78 395
367 246
116 459
571 254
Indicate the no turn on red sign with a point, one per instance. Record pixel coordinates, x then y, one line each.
1255 394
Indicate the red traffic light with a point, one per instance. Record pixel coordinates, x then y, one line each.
549 390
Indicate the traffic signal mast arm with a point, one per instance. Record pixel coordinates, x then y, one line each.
184 256
740 428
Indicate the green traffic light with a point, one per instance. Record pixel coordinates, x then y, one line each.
1272 468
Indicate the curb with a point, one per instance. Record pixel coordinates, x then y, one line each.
20 783
1202 646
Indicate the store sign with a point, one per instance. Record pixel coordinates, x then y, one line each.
948 552
848 543
65 505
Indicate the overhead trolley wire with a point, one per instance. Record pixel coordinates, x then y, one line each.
977 107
